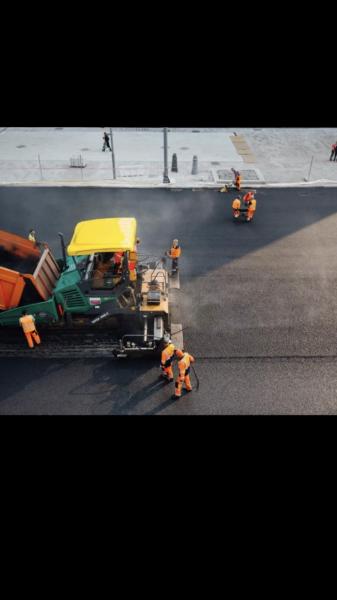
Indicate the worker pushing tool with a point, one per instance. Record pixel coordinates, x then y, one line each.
174 254
167 356
184 365
237 179
27 323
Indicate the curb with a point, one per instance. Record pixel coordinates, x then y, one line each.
170 186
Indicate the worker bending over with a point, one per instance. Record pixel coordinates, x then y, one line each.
237 179
174 254
167 356
236 205
27 323
184 364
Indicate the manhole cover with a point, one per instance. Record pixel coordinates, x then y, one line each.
184 148
21 146
59 128
196 131
215 163
84 149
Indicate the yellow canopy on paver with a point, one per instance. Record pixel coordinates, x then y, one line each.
103 235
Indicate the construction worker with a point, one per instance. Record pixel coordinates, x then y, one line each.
250 203
249 196
174 254
32 236
236 205
184 361
27 323
167 356
237 179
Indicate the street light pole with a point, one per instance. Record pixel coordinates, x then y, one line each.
113 155
165 177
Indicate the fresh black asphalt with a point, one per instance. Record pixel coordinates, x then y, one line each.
258 302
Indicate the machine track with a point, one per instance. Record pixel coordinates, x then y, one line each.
62 344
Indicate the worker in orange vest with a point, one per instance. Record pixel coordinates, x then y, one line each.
237 180
184 364
27 323
167 356
250 203
236 205
174 254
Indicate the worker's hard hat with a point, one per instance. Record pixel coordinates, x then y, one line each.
179 353
175 241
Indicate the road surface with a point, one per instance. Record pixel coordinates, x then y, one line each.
258 302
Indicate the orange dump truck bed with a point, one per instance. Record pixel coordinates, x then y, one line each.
27 273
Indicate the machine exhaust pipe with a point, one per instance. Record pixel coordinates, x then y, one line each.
145 329
63 250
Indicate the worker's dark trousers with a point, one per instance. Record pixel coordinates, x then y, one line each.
106 145
174 265
335 156
332 154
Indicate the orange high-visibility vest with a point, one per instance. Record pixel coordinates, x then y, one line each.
184 363
252 205
27 323
167 355
175 252
236 204
248 196
118 257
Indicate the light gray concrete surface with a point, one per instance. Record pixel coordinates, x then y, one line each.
41 156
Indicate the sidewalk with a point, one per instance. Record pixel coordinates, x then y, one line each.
41 156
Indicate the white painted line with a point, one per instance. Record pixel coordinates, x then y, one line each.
175 282
177 339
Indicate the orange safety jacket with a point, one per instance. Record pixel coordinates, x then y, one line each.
27 323
236 204
118 257
252 205
175 252
167 355
184 364
249 196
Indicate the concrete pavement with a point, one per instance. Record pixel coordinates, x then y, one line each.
41 156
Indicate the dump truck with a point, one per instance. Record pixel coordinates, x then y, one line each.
100 284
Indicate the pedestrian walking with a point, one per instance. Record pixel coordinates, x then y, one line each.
335 158
106 142
167 356
174 254
333 151
27 323
184 365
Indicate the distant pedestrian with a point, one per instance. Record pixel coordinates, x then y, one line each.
335 158
106 142
333 151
